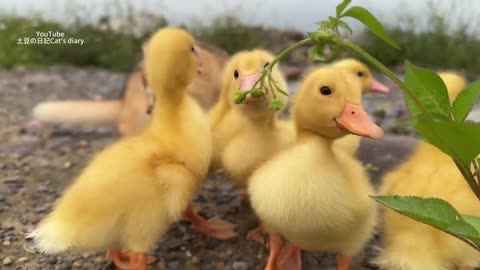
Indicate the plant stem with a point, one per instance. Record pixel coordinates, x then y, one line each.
469 177
387 72
288 50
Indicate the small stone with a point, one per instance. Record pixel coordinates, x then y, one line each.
239 265
22 259
6 243
8 260
173 265
188 253
67 164
52 260
83 143
77 264
195 260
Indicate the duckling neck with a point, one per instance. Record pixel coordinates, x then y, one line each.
304 135
263 121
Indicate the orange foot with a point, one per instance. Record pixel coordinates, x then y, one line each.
214 227
258 234
125 260
276 245
290 258
344 262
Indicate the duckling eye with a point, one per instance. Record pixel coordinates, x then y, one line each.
266 65
325 90
235 74
360 74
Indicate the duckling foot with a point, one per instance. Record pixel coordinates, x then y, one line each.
214 227
344 262
290 258
258 234
276 244
139 261
123 259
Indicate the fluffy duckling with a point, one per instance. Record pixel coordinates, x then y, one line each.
133 190
350 143
408 244
313 196
260 135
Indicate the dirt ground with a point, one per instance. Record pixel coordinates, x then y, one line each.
36 164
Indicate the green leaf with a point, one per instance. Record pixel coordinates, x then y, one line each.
275 104
315 53
365 17
465 101
437 213
239 96
341 7
345 26
458 140
430 90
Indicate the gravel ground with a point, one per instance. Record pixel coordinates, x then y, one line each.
38 163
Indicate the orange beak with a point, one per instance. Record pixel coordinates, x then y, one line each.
354 119
378 87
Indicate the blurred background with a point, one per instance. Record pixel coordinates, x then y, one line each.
437 33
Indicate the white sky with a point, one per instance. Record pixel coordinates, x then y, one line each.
300 14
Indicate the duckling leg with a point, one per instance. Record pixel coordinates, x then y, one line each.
214 227
344 262
258 234
276 244
138 261
290 258
119 258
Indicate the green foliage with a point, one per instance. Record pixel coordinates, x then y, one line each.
315 53
465 101
371 23
437 213
444 43
458 140
104 49
430 90
231 34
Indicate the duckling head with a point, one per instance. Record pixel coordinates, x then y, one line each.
365 75
242 72
329 104
170 61
455 83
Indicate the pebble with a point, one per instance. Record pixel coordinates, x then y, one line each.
6 243
239 265
195 260
77 264
22 259
173 265
8 260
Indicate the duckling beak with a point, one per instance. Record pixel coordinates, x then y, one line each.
354 119
196 50
377 87
248 81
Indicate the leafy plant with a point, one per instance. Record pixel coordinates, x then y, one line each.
438 122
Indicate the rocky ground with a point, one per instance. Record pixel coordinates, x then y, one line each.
36 164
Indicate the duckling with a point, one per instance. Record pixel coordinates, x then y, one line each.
314 197
408 244
350 143
133 190
260 134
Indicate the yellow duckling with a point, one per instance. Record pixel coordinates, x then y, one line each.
132 191
350 143
313 196
260 135
408 244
